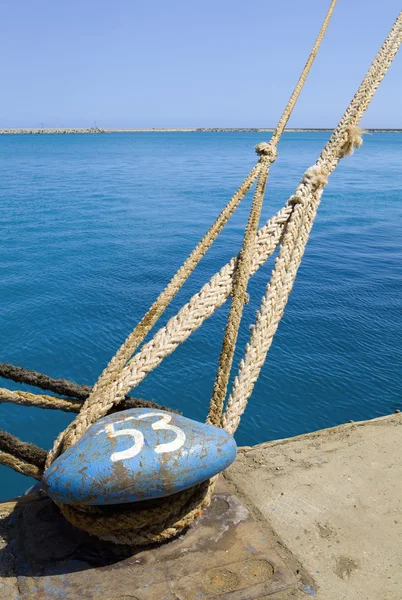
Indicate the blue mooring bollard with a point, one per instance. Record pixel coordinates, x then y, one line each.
138 454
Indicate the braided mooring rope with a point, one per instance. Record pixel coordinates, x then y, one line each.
23 457
112 385
239 288
306 199
116 380
303 207
162 519
69 404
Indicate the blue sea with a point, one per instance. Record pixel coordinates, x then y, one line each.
94 226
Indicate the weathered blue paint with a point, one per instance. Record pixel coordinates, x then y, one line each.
138 454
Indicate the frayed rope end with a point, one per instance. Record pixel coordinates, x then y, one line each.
317 177
352 139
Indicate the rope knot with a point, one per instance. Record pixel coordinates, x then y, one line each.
351 139
316 176
268 150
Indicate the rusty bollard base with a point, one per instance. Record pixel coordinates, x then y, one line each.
227 554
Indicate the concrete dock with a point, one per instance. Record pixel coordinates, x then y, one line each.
319 516
334 499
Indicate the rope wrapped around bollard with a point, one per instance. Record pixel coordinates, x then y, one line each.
159 519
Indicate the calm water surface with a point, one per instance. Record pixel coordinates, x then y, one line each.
93 227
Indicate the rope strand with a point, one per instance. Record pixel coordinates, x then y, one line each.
159 520
22 450
239 290
111 386
58 386
21 466
306 199
108 382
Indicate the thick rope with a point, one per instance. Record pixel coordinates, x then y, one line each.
110 387
344 140
190 317
214 293
22 450
313 182
268 154
21 466
280 128
108 384
64 387
202 305
69 404
272 305
242 274
148 522
40 400
243 270
29 459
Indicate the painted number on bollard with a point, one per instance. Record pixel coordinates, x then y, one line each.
162 423
162 453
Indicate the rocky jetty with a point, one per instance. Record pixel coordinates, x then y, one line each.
53 130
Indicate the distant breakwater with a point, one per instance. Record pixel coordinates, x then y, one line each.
97 130
52 130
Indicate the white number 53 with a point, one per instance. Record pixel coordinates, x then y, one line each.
162 423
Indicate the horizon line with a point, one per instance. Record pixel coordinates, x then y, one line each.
96 129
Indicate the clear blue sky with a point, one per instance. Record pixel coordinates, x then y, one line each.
185 63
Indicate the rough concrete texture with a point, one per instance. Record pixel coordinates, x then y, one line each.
334 498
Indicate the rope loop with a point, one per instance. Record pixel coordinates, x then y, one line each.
267 150
148 522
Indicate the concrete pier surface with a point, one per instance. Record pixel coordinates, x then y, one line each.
334 499
315 516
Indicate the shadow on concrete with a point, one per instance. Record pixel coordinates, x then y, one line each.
38 541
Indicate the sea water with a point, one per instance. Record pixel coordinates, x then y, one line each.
94 226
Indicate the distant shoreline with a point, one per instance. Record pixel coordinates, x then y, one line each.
97 130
